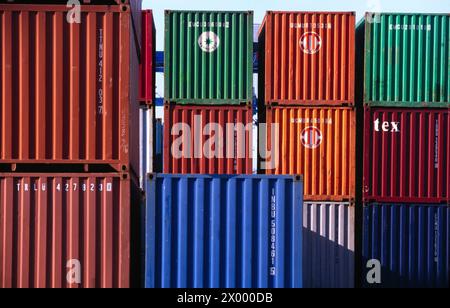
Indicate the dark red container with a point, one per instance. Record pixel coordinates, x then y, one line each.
147 73
406 155
189 130
69 91
307 58
65 230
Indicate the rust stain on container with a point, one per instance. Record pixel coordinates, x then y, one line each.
406 155
67 90
307 58
213 140
147 72
316 142
64 230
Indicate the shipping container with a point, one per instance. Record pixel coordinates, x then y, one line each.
307 58
223 231
213 140
147 143
407 245
208 57
69 90
147 71
64 230
328 245
406 155
407 59
316 142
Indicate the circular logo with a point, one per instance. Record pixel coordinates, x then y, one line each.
311 137
310 43
208 41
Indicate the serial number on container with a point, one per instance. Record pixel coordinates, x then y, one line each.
65 187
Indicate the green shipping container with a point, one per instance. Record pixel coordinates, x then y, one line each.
406 59
208 57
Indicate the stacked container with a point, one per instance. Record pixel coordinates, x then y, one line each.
306 98
69 143
208 92
406 94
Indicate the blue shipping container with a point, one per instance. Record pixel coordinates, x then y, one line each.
410 241
223 231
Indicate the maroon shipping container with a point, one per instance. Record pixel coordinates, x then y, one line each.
208 139
406 155
307 58
69 90
147 73
53 225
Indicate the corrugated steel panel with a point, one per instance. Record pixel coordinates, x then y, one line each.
147 143
224 231
147 72
68 91
316 142
406 155
328 245
54 224
213 140
209 57
308 58
411 241
407 60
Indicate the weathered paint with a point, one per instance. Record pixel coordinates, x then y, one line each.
220 231
406 155
68 92
208 57
410 241
307 58
213 140
147 71
328 245
316 142
53 224
407 60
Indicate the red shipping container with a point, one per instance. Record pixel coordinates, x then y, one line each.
147 73
406 155
64 230
69 90
208 139
307 58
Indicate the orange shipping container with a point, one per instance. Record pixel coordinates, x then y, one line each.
316 142
307 58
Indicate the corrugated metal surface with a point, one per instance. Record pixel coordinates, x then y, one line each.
213 140
328 245
68 90
50 222
316 142
147 143
412 243
406 155
224 231
407 60
308 58
209 57
147 72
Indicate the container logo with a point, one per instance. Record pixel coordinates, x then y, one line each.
311 137
209 41
310 43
